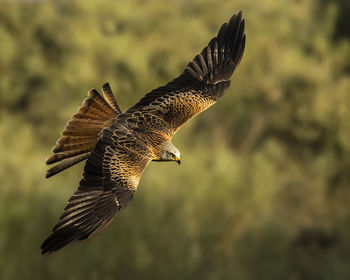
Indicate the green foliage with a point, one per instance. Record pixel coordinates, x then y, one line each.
263 190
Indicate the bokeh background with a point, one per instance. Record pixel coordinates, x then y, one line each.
264 188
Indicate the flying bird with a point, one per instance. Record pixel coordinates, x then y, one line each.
118 146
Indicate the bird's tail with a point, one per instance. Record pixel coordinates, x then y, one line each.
82 131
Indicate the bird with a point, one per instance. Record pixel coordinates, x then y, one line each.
118 146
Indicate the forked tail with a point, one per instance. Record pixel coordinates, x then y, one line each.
82 131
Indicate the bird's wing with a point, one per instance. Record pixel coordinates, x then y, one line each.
111 176
204 80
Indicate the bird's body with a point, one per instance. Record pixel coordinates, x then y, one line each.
118 146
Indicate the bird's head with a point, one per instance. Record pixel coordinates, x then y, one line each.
170 153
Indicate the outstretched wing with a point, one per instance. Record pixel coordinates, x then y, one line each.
204 80
111 176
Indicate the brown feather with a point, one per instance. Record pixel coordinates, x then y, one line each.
81 133
109 97
203 81
72 147
126 146
64 164
59 156
104 190
76 139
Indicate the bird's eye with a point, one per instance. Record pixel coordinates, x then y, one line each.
170 155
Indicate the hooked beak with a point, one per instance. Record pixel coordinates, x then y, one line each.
178 161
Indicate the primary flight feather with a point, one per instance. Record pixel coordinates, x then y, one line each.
118 146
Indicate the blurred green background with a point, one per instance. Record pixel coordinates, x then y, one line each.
264 188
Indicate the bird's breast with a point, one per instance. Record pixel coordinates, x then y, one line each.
133 181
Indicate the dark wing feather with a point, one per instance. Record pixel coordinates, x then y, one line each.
204 80
111 176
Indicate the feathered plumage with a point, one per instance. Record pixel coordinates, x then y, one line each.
118 146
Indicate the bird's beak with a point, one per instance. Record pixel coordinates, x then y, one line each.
178 161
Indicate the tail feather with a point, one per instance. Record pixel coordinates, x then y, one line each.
75 139
92 110
66 163
90 115
70 147
100 103
109 97
68 154
82 131
84 121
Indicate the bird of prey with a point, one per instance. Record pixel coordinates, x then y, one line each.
118 146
